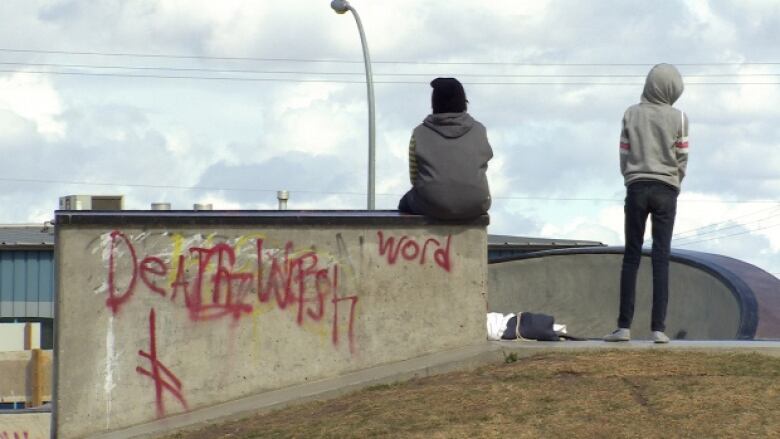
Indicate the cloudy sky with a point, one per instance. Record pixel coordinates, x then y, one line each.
193 101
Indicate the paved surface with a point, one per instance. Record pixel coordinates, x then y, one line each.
766 347
460 359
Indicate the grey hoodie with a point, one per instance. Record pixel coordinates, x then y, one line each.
452 152
654 139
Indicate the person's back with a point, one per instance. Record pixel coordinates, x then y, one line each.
448 156
653 159
452 155
653 143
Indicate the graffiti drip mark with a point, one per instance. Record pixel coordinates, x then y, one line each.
167 382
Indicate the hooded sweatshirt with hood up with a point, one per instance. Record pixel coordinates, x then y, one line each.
450 155
654 140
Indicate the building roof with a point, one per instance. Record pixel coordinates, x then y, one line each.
26 235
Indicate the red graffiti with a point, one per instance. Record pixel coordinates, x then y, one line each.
352 302
279 281
155 266
228 288
410 250
115 299
162 377
15 435
290 282
181 280
295 281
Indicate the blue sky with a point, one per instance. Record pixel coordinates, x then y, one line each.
285 106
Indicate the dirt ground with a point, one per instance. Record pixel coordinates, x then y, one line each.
606 394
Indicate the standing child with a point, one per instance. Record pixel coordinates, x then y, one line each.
653 157
448 159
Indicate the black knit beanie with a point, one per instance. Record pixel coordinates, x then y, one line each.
448 96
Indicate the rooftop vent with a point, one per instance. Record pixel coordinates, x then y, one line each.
91 202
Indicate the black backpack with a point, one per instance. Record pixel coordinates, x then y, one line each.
533 326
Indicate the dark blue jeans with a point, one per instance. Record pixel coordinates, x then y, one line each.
658 200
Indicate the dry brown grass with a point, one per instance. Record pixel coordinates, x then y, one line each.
606 394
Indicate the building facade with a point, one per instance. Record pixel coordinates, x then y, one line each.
27 277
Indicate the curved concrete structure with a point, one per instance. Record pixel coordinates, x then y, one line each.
711 297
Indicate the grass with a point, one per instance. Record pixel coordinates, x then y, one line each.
607 394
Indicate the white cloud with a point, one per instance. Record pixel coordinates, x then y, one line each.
552 142
706 24
321 128
14 127
32 97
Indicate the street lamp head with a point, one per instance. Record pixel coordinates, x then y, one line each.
340 6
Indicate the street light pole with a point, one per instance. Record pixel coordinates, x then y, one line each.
341 7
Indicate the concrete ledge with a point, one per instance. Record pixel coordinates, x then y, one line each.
253 217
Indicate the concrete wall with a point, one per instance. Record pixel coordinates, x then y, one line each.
15 374
21 424
160 316
582 291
